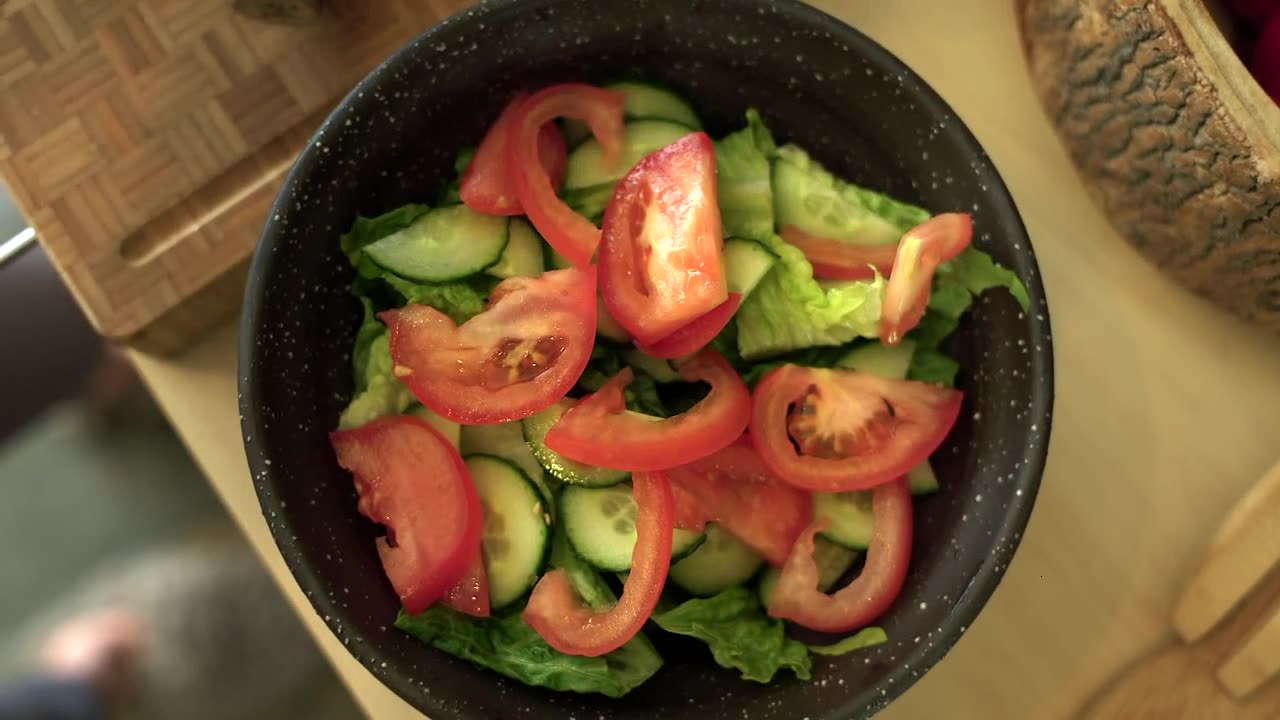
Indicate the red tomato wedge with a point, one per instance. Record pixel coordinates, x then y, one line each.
599 430
486 185
735 489
519 356
555 612
839 260
920 252
688 509
696 335
854 430
572 235
796 596
661 261
410 479
471 594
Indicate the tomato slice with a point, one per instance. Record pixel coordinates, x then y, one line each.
690 514
599 430
697 334
796 596
555 612
661 260
920 252
486 185
471 594
519 356
839 260
410 479
572 235
735 489
854 430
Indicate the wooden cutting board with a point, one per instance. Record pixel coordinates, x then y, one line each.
146 139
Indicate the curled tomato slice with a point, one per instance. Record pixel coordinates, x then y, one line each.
734 488
519 356
557 614
599 430
797 598
572 235
841 260
837 430
920 252
486 185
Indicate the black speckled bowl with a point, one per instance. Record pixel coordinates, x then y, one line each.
817 82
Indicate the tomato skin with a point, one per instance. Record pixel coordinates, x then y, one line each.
474 373
661 260
697 334
410 479
922 415
486 185
572 235
599 430
837 260
920 252
796 596
734 488
470 595
555 612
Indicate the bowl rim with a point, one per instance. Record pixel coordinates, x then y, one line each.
1028 477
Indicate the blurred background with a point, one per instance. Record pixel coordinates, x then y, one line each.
107 508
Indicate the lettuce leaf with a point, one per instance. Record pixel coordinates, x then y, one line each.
507 645
819 203
790 310
933 366
864 638
741 636
641 394
380 392
743 175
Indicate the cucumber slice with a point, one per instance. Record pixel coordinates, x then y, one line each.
643 102
445 244
833 562
450 429
660 370
537 426
607 326
881 360
558 261
506 440
922 480
590 202
601 526
523 256
586 162
850 516
720 563
893 363
517 528
809 197
745 265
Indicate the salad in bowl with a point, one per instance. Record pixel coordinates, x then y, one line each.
623 378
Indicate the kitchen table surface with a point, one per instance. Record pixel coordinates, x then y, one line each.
1166 411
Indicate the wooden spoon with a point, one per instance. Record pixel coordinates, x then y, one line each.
1228 672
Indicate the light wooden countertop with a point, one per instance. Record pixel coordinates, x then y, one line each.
1166 411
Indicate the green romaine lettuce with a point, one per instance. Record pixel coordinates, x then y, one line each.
381 393
864 638
741 636
790 310
507 645
743 175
